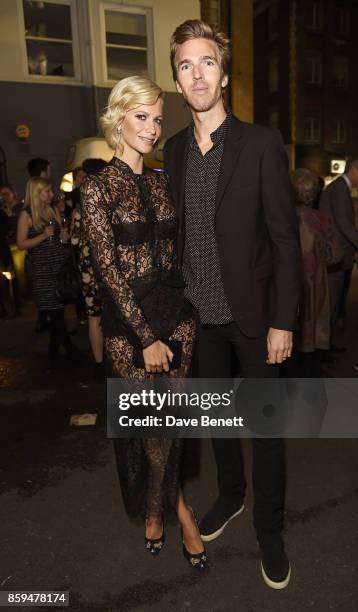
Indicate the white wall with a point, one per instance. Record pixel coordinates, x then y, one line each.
167 14
11 59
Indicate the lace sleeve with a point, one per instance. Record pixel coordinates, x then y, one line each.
98 231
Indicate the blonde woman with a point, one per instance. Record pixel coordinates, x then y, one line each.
39 231
130 222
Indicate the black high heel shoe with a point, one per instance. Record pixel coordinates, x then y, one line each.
154 546
197 561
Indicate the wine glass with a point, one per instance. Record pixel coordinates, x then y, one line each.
51 223
64 227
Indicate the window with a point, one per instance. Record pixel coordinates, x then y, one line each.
344 22
340 71
312 129
273 119
211 12
273 21
49 39
339 131
273 74
314 15
128 46
314 70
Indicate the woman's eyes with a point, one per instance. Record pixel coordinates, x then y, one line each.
144 117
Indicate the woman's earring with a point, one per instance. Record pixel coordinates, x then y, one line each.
119 132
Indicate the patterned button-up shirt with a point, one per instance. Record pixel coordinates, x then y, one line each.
201 266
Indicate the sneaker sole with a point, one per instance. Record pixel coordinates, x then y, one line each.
276 585
212 536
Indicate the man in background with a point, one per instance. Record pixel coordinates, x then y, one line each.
336 202
38 166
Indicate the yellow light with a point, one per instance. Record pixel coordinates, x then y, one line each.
8 275
67 182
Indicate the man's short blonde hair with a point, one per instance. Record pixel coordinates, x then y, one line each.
194 28
127 94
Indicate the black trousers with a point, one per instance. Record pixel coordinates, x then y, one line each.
335 286
58 333
345 290
218 345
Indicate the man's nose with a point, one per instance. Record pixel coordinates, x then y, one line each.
196 73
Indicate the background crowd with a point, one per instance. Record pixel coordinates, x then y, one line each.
47 225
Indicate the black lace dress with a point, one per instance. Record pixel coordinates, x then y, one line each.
130 223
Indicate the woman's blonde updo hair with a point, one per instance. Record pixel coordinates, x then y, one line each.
127 94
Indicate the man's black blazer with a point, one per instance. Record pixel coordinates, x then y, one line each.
336 202
256 225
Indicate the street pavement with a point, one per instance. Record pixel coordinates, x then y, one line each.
63 526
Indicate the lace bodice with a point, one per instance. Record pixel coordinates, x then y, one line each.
130 223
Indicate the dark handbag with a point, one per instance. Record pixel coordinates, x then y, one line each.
68 281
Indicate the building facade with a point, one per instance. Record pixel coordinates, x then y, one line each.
235 18
60 58
305 54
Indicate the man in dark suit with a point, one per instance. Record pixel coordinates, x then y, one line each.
336 202
239 247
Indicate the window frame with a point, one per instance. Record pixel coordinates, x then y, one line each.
344 19
76 52
273 83
315 62
316 18
338 124
125 8
345 83
273 21
312 118
274 124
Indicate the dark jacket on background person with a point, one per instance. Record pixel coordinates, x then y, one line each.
336 202
6 262
255 225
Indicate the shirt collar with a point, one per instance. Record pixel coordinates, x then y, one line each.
217 135
349 184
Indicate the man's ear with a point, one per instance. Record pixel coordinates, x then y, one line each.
179 89
224 80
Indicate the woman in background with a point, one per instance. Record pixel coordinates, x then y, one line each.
89 285
39 231
320 249
12 206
